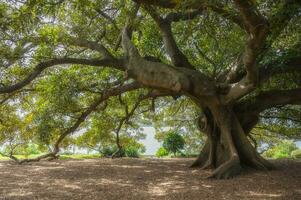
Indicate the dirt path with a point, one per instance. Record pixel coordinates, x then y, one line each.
142 179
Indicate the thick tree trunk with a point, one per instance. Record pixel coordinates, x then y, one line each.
227 149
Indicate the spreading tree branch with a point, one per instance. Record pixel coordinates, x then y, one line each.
93 107
38 69
257 28
177 56
269 99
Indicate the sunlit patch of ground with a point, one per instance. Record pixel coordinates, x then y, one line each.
142 179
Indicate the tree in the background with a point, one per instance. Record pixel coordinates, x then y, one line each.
173 142
179 116
234 60
282 150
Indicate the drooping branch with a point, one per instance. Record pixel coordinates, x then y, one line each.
39 68
12 148
83 116
129 113
78 122
123 120
104 96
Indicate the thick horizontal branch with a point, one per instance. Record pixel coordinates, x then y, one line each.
293 65
269 99
249 110
114 63
160 76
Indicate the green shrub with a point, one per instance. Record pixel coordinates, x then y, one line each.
32 149
132 152
281 155
296 154
282 150
173 142
108 151
161 152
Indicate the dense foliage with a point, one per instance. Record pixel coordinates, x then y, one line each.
93 73
282 150
161 152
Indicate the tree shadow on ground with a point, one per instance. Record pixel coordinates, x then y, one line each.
142 179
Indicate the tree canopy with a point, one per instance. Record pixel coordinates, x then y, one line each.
229 69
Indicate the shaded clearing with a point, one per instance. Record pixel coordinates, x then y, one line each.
142 179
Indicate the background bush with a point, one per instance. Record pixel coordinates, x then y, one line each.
282 150
161 152
296 154
132 152
173 142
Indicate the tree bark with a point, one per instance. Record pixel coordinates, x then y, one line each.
227 149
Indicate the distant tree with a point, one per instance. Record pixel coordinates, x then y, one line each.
173 142
282 150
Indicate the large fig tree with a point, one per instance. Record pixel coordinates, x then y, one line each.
233 59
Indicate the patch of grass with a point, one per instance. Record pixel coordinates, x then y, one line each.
21 156
62 156
3 158
78 156
30 156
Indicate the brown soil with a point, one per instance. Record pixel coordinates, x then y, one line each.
142 179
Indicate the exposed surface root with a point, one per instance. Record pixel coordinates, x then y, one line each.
227 170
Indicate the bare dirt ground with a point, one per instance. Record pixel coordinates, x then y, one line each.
142 179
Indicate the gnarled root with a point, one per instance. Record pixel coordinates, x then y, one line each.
227 170
48 156
227 147
203 156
